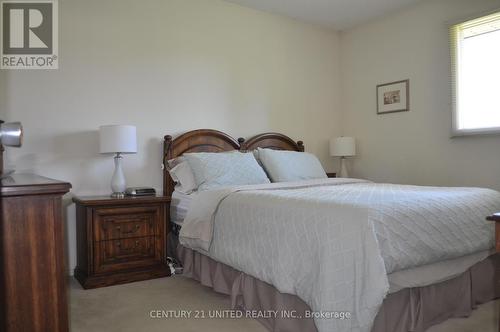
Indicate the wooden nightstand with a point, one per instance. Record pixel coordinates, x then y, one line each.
120 240
496 219
331 175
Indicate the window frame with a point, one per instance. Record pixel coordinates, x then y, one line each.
455 51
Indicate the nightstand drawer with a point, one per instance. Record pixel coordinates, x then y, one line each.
125 226
120 223
120 254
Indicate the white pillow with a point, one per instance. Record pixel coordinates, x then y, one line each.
282 166
221 169
174 162
183 177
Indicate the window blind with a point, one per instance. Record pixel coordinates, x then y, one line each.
475 75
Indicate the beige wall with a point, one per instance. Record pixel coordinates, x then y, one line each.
412 147
168 67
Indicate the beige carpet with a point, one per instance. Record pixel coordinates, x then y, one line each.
127 308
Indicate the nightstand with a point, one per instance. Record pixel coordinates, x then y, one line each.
120 240
496 218
331 175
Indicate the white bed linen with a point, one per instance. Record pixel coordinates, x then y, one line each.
179 206
413 277
434 273
332 242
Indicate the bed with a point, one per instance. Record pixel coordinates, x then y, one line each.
385 293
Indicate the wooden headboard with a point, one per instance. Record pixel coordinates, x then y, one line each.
274 141
200 140
209 140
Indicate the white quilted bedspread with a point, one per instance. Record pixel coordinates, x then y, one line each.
332 242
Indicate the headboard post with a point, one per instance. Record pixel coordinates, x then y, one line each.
300 144
167 152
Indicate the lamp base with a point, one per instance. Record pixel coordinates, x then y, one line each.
118 185
343 168
118 195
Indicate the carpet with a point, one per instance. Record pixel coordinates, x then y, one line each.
165 305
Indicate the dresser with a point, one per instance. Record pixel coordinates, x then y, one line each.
33 277
120 240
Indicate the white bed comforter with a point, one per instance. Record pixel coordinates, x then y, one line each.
332 242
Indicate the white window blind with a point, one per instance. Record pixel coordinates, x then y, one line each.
475 49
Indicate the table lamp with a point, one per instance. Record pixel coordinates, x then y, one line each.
343 147
118 139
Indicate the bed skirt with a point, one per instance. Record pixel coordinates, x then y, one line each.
411 309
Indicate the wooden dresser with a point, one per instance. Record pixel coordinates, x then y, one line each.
120 240
33 290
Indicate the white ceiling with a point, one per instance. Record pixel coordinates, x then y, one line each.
336 14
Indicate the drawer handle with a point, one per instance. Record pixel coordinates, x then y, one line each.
136 245
134 230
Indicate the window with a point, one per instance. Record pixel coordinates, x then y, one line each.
475 49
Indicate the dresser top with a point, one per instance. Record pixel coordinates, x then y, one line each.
108 200
31 184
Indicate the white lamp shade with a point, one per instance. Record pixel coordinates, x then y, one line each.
343 147
117 139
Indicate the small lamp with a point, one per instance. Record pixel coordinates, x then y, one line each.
118 139
11 134
343 147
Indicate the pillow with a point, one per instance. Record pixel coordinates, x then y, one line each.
174 162
183 176
213 170
282 166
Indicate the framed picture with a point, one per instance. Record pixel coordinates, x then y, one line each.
393 97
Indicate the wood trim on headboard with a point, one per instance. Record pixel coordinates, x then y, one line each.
275 141
200 140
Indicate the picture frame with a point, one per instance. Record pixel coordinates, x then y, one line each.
393 97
